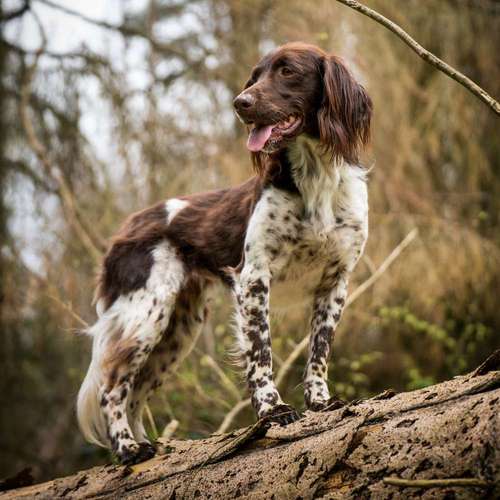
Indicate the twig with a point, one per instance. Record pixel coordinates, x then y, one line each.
63 305
490 364
103 24
301 346
169 429
436 483
208 361
383 267
151 421
69 308
231 415
88 56
427 56
369 263
23 169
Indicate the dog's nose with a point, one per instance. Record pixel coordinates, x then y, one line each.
243 102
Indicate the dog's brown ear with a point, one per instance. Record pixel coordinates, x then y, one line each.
345 113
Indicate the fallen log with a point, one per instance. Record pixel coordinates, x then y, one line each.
438 442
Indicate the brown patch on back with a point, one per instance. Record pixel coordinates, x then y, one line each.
210 231
209 234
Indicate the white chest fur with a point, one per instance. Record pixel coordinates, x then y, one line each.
329 191
334 223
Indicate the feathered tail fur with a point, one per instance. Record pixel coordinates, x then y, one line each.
89 413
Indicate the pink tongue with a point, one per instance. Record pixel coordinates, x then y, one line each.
258 137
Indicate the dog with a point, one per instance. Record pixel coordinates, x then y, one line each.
292 233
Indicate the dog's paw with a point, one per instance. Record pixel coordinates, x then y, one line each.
330 404
281 414
139 452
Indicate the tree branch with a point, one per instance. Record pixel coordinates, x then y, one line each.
68 201
23 169
351 452
427 56
440 483
87 56
8 16
121 28
210 362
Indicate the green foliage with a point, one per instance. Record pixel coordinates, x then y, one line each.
458 340
350 378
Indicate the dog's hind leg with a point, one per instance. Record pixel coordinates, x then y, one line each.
124 337
175 345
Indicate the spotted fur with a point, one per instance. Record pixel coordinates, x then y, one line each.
291 235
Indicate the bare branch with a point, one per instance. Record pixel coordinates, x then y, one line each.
166 49
23 169
435 483
84 54
210 362
53 294
68 307
383 267
427 56
170 429
68 201
231 415
151 420
8 16
103 24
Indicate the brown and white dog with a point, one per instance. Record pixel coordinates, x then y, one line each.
294 232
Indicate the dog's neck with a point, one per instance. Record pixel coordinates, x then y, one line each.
317 178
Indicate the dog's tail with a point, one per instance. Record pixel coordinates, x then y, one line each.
91 419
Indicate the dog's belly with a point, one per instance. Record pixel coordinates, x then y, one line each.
296 283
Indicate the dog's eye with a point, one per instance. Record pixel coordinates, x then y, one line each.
285 71
248 84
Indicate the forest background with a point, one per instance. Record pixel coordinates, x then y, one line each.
107 107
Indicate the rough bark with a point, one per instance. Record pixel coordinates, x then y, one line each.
370 449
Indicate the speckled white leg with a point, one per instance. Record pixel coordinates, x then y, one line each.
143 317
272 227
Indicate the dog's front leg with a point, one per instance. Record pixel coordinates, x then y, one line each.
328 304
252 303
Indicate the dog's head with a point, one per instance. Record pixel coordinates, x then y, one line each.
297 89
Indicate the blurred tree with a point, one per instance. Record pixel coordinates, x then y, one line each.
92 132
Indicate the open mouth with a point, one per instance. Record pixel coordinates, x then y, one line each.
262 135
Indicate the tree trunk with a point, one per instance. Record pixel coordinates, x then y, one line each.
389 446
